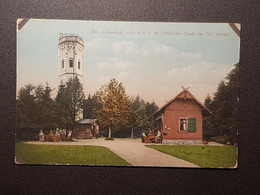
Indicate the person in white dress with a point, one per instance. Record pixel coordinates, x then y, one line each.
41 136
158 136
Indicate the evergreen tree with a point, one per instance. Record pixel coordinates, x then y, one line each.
90 105
151 108
208 131
208 101
46 108
35 109
61 107
224 108
140 115
25 110
70 98
232 90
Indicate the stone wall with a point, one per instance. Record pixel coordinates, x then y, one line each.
182 142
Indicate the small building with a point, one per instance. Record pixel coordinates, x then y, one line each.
180 120
86 129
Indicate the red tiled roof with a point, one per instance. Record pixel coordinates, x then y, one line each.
185 94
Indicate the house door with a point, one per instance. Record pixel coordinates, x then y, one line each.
158 125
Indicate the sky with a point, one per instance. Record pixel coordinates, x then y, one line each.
151 59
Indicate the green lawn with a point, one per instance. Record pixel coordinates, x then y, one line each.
73 155
204 156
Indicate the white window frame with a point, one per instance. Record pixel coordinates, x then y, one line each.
186 124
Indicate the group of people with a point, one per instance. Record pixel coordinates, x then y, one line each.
42 136
157 135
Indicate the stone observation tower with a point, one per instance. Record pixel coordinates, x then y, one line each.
71 50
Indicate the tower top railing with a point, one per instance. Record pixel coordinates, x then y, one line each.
70 37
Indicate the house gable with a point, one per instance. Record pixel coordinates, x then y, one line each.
184 95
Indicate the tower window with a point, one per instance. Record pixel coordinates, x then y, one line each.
71 63
78 64
62 63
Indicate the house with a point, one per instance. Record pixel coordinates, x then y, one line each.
180 119
86 129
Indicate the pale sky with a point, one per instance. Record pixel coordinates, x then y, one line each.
151 59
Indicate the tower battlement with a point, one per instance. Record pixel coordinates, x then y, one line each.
70 37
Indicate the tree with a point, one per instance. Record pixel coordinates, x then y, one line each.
90 105
151 108
61 107
207 123
115 106
46 108
232 90
224 108
35 109
70 98
208 101
25 109
140 115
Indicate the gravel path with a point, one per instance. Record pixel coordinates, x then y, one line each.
132 150
18 159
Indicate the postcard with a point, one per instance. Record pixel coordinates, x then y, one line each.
125 93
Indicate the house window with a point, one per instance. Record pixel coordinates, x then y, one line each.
78 64
183 124
71 63
187 124
62 63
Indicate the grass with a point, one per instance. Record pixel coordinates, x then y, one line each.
72 155
204 156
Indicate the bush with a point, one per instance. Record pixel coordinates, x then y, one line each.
109 139
220 139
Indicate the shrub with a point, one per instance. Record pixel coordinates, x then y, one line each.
220 139
109 139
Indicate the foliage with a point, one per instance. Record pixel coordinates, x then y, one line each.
35 109
109 139
115 106
73 155
224 108
204 156
220 139
139 115
69 101
90 105
110 105
26 108
151 109
46 108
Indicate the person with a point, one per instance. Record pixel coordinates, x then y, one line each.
69 134
183 124
158 136
57 132
97 132
41 136
143 136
